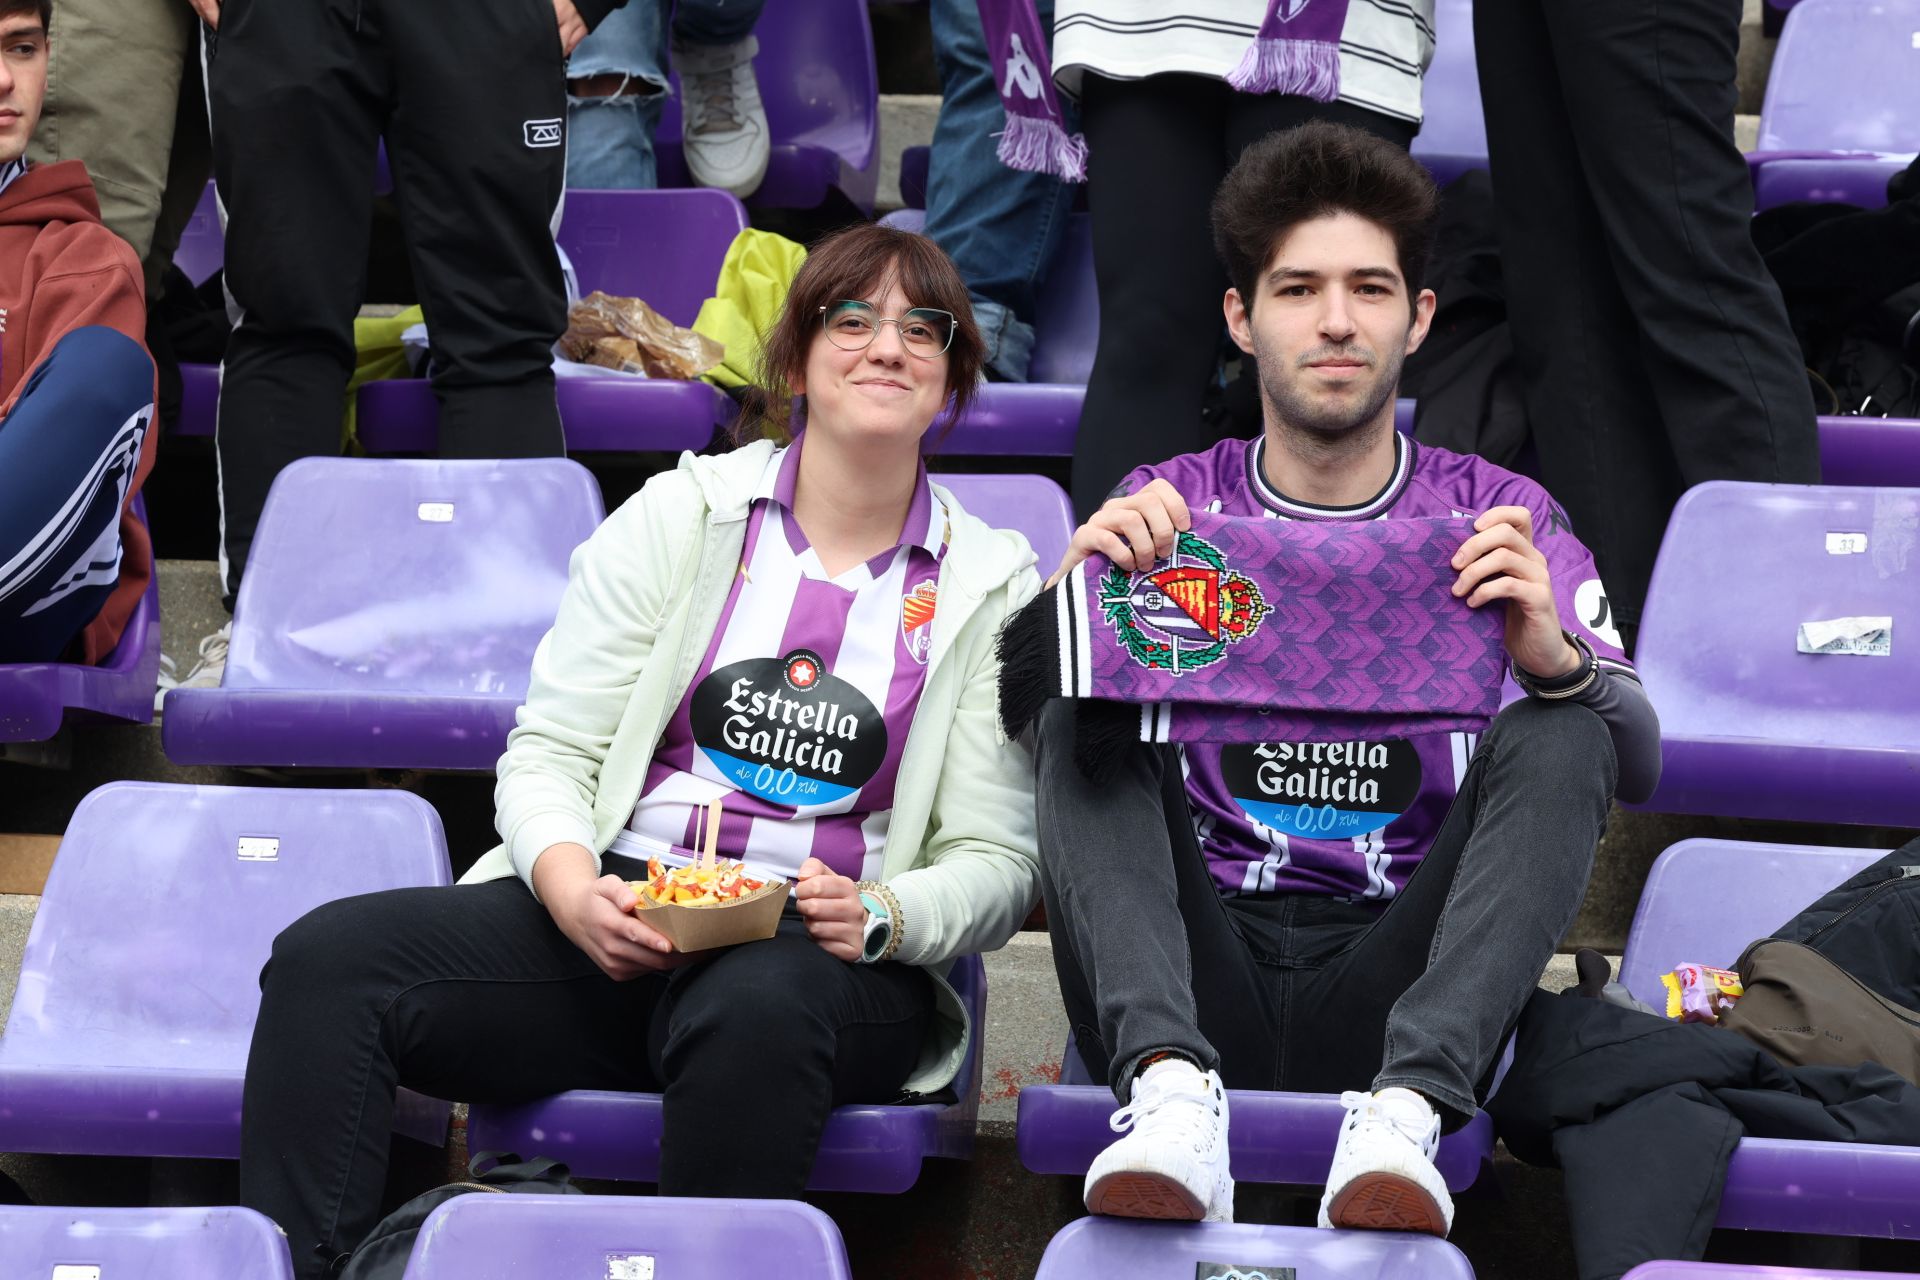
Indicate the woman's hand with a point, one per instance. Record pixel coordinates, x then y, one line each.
597 915
831 906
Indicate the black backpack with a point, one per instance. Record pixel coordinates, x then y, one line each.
384 1253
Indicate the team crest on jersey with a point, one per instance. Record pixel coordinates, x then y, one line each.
916 620
1182 616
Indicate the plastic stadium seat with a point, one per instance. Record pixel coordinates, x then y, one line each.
389 614
1703 902
513 1237
1870 452
1275 1137
1838 178
1453 133
1099 1248
1033 505
1845 77
203 247
129 1030
49 1243
602 1134
664 247
1731 1271
1750 727
821 89
36 698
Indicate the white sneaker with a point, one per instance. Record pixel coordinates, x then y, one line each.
1383 1177
1172 1163
723 126
206 673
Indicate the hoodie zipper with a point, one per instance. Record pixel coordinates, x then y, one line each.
1906 873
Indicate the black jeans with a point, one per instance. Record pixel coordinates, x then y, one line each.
472 993
1314 994
1164 144
473 112
1653 345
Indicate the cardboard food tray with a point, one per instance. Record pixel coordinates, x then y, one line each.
745 919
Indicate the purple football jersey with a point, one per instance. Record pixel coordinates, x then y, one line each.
1328 814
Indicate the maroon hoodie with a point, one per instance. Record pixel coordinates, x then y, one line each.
60 270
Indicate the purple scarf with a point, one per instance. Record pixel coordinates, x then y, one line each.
1256 630
1297 51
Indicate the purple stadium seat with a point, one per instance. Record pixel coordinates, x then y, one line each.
1741 1271
821 89
129 1030
601 1134
389 614
49 1243
1703 902
203 245
1033 505
1844 79
36 698
1453 135
665 247
1099 1248
1779 177
1750 726
916 164
514 1237
1274 1137
1870 451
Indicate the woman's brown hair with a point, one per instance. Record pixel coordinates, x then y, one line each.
857 263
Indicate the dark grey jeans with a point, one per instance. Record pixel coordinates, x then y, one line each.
1309 993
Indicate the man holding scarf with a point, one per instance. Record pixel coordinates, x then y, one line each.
1362 900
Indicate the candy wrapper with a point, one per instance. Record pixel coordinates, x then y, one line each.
1696 993
628 335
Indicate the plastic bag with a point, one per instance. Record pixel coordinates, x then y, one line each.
628 335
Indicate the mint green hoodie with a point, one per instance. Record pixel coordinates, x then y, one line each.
644 597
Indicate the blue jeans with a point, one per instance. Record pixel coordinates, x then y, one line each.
1001 227
610 140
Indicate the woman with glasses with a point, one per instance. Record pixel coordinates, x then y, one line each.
801 629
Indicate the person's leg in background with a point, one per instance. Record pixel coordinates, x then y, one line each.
1603 454
1650 93
1001 227
616 87
297 96
68 451
479 159
723 124
113 81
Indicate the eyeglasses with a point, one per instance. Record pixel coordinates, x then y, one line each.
924 331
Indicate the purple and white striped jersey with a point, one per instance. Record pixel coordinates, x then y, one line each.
798 713
1344 818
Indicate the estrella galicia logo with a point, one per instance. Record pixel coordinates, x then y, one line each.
1182 617
1322 790
542 133
788 730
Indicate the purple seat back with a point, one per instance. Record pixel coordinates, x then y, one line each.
1750 726
1870 451
408 577
1101 1248
1841 179
1845 77
1453 134
1748 1271
128 1033
1031 505
1066 322
821 90
512 1237
36 698
50 1243
1705 900
664 247
203 247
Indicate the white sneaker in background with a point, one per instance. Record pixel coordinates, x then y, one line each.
1383 1177
1172 1161
206 673
723 125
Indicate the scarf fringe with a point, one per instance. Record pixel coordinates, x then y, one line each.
1028 649
1040 144
1310 68
1103 731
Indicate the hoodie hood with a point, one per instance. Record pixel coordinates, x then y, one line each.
49 193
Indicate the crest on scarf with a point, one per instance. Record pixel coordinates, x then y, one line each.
1182 616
